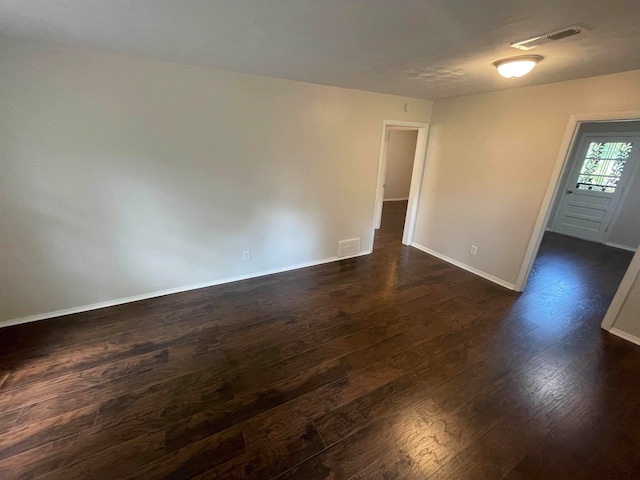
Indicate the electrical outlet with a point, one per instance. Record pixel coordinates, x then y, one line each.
473 250
246 255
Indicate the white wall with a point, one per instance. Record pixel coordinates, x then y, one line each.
122 176
489 161
401 150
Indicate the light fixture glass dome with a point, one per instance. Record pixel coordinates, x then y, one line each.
517 66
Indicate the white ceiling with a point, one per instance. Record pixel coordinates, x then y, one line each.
420 48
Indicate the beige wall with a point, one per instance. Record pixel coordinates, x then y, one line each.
123 176
628 320
489 161
401 150
623 316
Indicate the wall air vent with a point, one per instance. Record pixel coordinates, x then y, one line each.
348 248
546 38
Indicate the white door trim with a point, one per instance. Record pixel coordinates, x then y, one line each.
416 177
555 183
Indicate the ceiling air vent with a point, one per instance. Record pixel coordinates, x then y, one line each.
547 38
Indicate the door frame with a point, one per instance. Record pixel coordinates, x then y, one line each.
419 162
556 182
572 169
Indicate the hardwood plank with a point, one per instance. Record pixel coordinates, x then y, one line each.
196 457
450 437
208 422
22 439
46 458
257 379
70 359
280 421
77 381
130 456
8 420
75 391
363 448
418 379
85 444
180 371
270 458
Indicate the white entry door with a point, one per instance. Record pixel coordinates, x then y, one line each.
600 169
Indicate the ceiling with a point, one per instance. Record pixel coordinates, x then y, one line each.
419 48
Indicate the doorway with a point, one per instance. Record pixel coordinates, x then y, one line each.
400 168
598 179
623 221
592 228
400 153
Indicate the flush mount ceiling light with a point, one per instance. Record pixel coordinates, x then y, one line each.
515 67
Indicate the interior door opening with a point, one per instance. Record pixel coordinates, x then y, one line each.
400 152
618 226
594 203
400 170
592 230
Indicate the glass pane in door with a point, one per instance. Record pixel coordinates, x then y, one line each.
603 166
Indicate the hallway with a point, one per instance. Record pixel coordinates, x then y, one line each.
389 234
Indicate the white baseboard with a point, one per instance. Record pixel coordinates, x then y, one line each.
621 247
464 266
395 199
161 293
626 336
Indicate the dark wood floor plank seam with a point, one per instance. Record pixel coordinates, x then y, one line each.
320 434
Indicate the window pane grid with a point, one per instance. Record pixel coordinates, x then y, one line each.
603 166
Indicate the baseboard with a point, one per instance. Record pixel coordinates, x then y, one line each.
162 293
624 335
621 247
395 199
464 266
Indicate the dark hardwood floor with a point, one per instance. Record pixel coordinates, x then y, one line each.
391 366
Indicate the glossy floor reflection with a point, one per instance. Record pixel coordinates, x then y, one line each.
391 366
571 276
